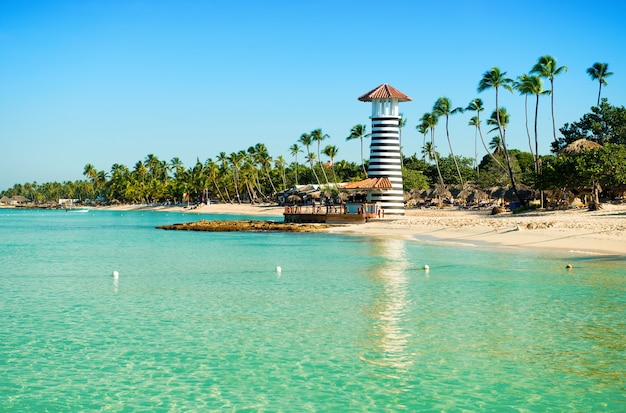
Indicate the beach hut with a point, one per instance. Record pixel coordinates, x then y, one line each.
579 146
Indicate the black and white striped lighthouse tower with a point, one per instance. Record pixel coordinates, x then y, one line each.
385 155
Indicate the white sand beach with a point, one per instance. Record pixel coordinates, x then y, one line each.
576 230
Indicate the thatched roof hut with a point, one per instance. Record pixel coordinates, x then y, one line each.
580 145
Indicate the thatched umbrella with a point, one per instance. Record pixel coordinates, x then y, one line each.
441 191
477 195
523 191
580 145
498 191
294 198
427 193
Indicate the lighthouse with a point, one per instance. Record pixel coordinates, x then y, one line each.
385 155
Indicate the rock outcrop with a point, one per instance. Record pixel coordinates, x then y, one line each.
255 226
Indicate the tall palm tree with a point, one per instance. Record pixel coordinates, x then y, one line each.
523 85
547 67
307 140
476 105
318 136
331 152
532 85
294 150
443 107
495 79
431 120
599 71
359 132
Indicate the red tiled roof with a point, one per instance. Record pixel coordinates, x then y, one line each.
369 183
384 91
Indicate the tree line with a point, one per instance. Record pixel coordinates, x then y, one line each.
253 175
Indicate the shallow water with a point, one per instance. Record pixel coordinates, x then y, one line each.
203 321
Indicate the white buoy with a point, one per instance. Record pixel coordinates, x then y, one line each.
426 267
278 269
115 274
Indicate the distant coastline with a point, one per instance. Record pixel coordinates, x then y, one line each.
576 230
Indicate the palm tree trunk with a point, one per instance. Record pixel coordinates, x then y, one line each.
432 141
505 150
530 145
536 154
319 161
270 179
552 104
456 164
363 160
315 174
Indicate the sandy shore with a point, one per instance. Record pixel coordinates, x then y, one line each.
578 231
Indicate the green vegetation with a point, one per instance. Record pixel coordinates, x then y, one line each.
596 165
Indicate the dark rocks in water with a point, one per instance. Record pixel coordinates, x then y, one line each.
258 226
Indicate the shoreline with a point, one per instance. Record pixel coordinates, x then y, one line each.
576 230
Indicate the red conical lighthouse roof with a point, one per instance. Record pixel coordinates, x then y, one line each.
384 91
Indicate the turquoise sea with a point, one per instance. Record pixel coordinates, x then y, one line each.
204 321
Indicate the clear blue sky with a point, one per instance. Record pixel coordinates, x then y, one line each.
107 82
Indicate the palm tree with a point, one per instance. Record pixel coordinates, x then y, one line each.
359 132
496 145
532 85
310 158
428 152
546 67
599 71
91 173
331 152
307 140
318 136
431 120
261 156
294 150
177 166
212 171
477 106
236 159
280 163
443 107
223 160
495 79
